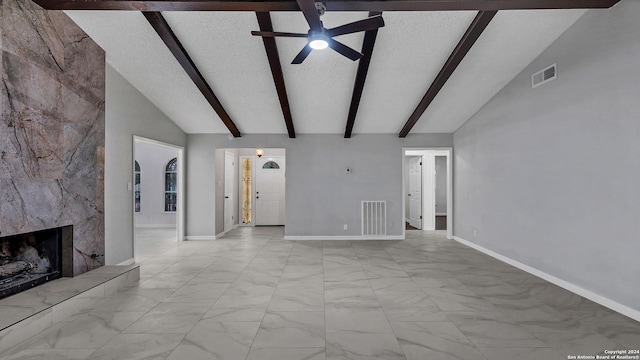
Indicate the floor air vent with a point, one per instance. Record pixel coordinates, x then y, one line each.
374 218
544 75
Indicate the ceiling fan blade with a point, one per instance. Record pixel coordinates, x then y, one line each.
277 33
308 8
344 50
371 23
302 55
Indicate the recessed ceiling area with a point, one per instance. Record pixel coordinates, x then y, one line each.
409 52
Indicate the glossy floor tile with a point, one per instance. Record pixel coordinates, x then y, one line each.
254 296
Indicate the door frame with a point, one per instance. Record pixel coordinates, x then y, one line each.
230 184
421 191
181 186
448 152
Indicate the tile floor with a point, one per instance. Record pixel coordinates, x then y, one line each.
254 296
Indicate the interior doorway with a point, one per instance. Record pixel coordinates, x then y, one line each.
157 196
427 189
252 187
415 192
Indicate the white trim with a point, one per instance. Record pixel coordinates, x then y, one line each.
163 226
127 262
602 300
441 214
204 237
343 237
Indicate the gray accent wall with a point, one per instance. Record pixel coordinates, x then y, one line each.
320 196
549 176
128 113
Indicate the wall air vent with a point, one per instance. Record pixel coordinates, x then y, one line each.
544 75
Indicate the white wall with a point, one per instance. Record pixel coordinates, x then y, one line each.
153 160
320 197
549 176
128 113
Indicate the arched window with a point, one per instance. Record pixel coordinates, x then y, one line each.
171 186
271 165
136 188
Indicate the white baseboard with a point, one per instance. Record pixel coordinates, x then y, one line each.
127 262
344 237
162 226
602 300
205 237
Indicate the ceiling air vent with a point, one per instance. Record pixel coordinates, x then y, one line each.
544 75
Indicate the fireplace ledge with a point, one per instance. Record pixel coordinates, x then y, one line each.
25 314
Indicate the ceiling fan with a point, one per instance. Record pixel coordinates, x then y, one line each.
319 37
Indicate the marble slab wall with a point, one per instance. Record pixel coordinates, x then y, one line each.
51 129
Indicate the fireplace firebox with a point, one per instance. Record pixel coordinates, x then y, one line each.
31 259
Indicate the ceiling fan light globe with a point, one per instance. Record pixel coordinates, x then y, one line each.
318 44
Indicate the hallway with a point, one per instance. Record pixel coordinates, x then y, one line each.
252 295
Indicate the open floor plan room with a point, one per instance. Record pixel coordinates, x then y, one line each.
253 295
319 180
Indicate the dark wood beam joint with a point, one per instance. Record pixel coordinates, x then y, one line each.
361 76
264 21
479 23
333 5
161 26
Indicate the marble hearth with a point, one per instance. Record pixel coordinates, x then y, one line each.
34 310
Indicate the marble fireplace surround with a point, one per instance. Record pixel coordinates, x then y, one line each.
51 129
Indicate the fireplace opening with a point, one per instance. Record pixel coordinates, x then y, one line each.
30 259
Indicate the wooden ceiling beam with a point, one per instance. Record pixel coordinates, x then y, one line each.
332 5
479 23
264 21
361 75
161 26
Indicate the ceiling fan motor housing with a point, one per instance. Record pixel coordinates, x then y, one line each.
321 7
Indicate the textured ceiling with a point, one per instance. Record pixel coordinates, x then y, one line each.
409 52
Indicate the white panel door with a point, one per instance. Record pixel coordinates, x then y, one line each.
229 171
270 189
415 192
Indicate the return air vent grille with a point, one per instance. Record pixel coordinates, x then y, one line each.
374 218
544 75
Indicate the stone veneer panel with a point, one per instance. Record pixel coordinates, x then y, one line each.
51 129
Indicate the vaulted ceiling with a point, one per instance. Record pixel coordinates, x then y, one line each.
409 52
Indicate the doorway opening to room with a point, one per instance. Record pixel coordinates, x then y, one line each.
427 185
157 196
254 187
